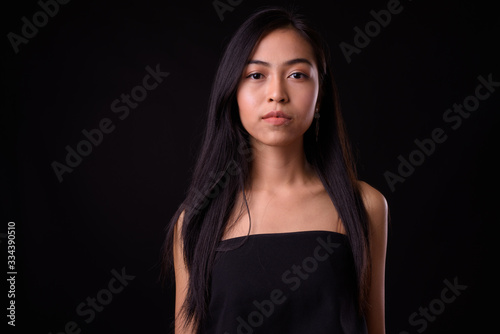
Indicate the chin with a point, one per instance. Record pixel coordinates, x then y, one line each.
279 139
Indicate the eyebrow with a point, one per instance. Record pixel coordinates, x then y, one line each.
288 62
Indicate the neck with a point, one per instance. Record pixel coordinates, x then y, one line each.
277 168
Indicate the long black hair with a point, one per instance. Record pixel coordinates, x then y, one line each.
223 164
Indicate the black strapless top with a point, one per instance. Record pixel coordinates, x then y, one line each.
284 283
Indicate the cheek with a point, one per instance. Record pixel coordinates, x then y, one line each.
308 102
305 101
247 103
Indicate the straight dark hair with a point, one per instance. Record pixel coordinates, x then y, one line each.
226 156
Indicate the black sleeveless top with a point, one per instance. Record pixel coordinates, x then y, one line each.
284 283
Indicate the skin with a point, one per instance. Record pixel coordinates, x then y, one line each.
284 193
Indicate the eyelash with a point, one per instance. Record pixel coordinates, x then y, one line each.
304 76
251 76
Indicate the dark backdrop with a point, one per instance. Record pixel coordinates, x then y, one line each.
97 234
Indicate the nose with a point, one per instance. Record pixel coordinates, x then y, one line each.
277 91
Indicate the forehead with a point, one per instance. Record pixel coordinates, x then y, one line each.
281 45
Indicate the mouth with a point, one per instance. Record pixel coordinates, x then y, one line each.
276 114
276 117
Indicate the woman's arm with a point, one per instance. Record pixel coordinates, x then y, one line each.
181 279
376 207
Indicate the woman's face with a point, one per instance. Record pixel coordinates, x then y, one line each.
278 90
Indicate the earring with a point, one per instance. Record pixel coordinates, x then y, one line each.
316 116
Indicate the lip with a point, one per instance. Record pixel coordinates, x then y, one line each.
276 114
276 117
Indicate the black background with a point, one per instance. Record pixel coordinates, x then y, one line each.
111 211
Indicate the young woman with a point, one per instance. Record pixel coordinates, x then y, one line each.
276 234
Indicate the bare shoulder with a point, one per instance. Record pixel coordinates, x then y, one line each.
178 241
178 244
179 222
377 210
375 204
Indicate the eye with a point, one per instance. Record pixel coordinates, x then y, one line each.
298 75
255 76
